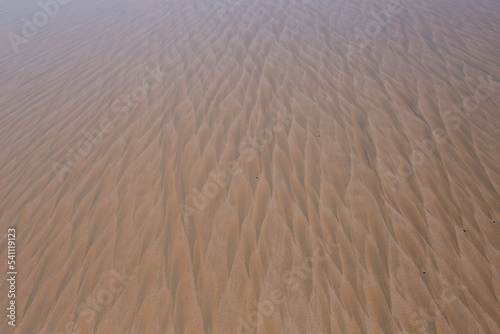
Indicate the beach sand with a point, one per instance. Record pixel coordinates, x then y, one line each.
193 166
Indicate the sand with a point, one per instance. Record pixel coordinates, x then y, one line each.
252 166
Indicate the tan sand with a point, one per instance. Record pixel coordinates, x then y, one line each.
293 167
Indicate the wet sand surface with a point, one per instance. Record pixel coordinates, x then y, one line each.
251 166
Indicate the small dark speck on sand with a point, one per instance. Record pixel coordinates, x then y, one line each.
423 272
465 230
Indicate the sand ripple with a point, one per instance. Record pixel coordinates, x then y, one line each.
281 173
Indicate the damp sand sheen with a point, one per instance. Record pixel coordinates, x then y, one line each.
250 166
